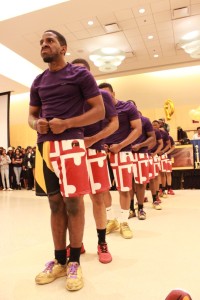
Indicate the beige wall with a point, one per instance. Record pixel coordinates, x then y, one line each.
149 91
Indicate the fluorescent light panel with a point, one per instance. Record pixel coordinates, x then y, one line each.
20 70
11 8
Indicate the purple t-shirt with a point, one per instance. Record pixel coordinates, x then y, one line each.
158 137
127 112
110 111
165 137
62 95
146 128
172 144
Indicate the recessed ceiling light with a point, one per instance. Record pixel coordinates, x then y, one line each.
90 23
68 53
155 55
150 37
141 10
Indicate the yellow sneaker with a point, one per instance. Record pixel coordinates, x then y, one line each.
111 226
156 205
52 271
132 214
74 280
125 230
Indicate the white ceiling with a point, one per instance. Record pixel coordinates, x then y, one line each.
161 19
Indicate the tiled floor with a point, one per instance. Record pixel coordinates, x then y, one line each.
164 253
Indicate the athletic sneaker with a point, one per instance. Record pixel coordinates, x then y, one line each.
170 192
9 189
111 226
132 214
158 200
156 205
141 214
4 189
68 250
104 255
74 280
163 195
125 230
52 271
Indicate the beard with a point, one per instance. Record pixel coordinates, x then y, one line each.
48 59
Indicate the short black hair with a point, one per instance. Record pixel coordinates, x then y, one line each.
156 121
132 101
81 61
198 127
60 37
106 85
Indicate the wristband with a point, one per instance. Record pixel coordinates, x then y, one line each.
34 124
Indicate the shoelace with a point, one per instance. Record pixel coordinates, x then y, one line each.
125 226
73 270
49 266
104 248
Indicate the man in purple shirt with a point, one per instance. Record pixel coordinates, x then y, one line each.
121 161
141 166
94 136
56 112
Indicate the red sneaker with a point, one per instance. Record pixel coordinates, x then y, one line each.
104 255
170 192
68 250
158 200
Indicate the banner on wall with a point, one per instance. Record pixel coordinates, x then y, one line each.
5 120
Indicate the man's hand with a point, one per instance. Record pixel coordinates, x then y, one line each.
115 148
57 125
42 126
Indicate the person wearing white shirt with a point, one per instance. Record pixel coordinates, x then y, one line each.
196 136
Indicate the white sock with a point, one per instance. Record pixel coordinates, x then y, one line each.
110 213
124 215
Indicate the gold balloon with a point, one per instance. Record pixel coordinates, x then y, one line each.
169 109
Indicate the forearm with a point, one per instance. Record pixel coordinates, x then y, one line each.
92 116
135 133
106 131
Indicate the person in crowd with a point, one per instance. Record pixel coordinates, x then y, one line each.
56 112
196 136
12 177
28 164
4 167
121 160
94 136
17 166
182 136
164 125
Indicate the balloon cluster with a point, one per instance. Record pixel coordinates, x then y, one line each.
195 114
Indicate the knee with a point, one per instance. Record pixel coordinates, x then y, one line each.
56 203
73 206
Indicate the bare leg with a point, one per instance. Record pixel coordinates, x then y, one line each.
58 221
99 210
76 220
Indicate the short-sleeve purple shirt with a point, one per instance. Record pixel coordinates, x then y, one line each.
146 127
127 112
158 137
110 111
62 95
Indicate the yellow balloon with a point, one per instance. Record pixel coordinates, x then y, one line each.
169 109
196 115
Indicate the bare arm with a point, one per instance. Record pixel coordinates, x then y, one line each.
171 149
151 140
41 125
136 126
160 145
95 114
112 126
